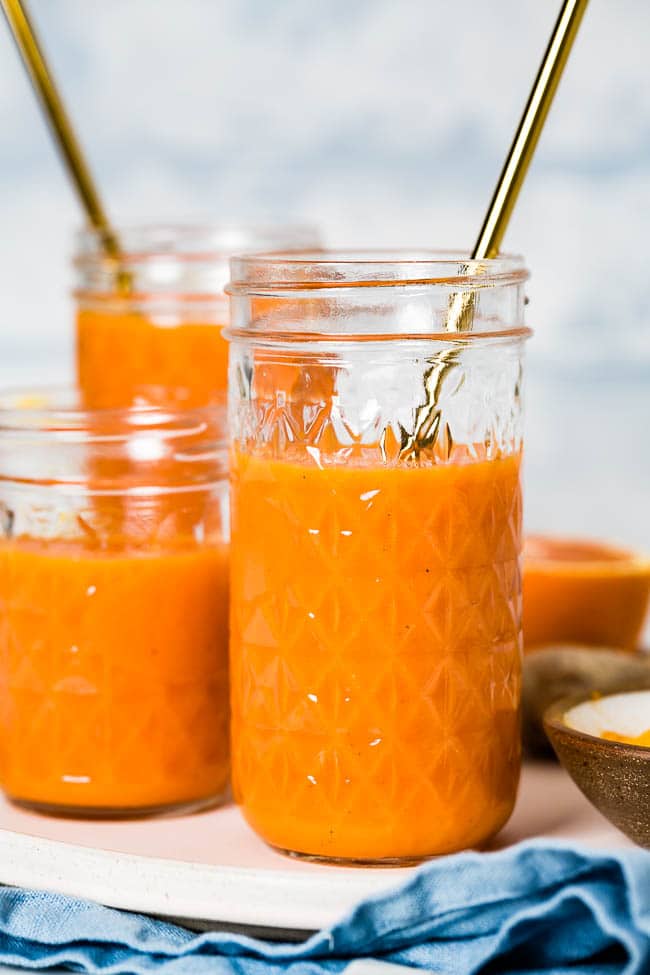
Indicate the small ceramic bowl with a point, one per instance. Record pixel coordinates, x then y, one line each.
578 591
613 775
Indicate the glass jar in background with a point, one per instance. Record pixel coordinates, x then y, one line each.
159 324
113 606
375 560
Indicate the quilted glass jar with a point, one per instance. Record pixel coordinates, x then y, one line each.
113 606
375 408
164 328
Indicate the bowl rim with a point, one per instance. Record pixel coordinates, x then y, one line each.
553 720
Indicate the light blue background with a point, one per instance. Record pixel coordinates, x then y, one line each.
386 122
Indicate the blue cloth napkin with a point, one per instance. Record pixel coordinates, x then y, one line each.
532 908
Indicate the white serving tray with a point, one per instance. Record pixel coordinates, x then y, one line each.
210 870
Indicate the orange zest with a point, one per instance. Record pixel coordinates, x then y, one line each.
642 739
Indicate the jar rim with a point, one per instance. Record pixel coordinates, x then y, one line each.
271 272
189 242
51 413
272 338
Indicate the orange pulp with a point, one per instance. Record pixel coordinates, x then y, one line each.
375 654
113 675
583 592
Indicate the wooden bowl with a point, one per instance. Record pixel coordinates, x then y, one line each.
614 776
583 592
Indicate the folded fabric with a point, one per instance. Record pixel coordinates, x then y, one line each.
533 908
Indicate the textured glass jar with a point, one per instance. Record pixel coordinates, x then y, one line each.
113 606
160 323
376 539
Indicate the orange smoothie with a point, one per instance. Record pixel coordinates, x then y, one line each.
113 674
375 654
121 352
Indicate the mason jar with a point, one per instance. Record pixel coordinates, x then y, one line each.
113 606
155 319
375 420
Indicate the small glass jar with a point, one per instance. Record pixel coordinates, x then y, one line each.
156 320
376 542
113 606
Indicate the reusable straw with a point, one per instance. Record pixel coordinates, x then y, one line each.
460 316
55 113
530 128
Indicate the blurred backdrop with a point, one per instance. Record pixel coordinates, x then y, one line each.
386 123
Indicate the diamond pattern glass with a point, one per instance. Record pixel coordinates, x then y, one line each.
375 604
114 565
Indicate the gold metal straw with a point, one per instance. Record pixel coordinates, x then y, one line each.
530 128
59 122
460 315
513 174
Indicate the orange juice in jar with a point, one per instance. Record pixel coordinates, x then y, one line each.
158 324
376 542
113 607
